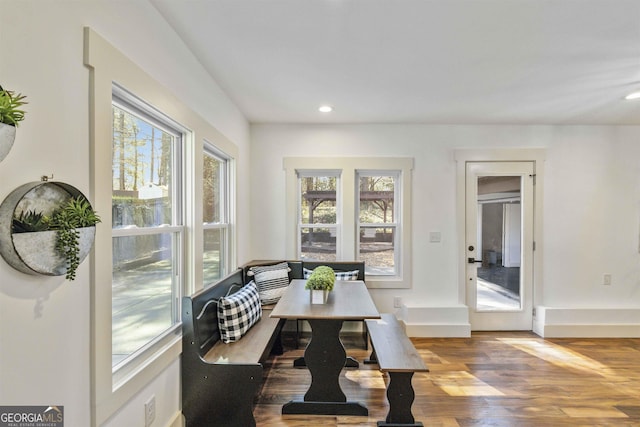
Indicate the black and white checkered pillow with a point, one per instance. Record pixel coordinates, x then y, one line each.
238 312
272 281
340 275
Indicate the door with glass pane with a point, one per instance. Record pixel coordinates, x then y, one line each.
499 244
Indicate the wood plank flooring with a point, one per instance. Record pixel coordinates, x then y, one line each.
491 379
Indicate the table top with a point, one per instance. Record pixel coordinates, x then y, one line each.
349 300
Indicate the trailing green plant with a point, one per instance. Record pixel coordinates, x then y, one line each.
76 213
10 107
29 221
322 277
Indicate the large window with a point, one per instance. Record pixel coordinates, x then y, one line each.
147 228
378 224
352 208
146 181
216 229
318 216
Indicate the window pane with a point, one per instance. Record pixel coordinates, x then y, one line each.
212 180
318 200
142 305
377 250
376 199
318 244
141 165
213 262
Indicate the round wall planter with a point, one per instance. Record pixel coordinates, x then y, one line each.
7 136
35 253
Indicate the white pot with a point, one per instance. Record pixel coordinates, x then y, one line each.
319 296
7 136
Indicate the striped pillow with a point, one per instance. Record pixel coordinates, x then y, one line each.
272 281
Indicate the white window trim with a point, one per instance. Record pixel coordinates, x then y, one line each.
397 213
228 200
107 65
137 108
337 225
349 232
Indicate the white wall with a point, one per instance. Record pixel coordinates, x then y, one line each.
591 202
44 322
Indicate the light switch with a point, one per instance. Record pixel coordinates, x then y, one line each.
435 237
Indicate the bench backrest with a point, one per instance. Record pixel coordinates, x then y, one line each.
200 312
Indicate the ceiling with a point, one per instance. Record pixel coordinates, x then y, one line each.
419 61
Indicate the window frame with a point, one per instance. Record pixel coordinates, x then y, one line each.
225 210
348 166
397 213
134 106
317 173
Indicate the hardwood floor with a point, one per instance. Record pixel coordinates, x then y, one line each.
491 379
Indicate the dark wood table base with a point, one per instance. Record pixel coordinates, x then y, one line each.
325 357
351 362
324 408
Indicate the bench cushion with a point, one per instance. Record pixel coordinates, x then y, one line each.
272 281
340 275
238 312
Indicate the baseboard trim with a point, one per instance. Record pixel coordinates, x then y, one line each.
554 322
177 421
437 331
435 321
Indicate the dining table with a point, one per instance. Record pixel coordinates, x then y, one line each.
325 355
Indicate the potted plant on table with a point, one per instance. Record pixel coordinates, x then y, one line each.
320 283
11 114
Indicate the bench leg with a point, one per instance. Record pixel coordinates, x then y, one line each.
400 395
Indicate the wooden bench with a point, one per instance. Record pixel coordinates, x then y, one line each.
220 381
395 354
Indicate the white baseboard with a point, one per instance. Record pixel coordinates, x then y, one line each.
554 322
177 421
435 322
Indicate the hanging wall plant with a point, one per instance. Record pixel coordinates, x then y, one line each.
46 228
11 113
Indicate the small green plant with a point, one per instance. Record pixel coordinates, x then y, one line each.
323 277
29 221
10 107
77 213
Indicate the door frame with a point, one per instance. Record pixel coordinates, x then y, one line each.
535 155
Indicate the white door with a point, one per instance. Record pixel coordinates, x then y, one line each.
499 220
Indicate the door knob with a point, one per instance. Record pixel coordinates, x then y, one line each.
472 260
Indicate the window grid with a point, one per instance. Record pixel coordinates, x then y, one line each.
216 227
147 230
378 242
319 236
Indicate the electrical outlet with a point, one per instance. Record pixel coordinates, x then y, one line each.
397 302
607 280
150 411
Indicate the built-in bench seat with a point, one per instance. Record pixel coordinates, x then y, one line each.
220 380
395 354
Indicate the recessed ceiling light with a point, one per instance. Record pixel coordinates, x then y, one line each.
633 95
325 108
